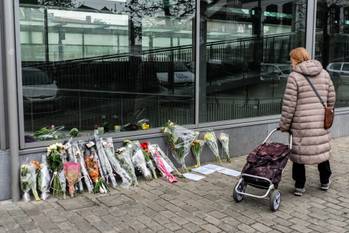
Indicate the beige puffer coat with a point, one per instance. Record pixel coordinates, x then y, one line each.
303 113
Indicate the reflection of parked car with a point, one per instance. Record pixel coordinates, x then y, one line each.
271 71
339 72
40 93
182 75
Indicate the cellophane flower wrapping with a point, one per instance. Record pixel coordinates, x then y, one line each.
224 140
44 179
28 181
77 149
93 171
124 156
161 164
148 158
72 151
105 164
196 149
211 140
55 158
179 140
110 153
72 174
140 163
167 160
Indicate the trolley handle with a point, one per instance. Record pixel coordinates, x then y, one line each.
278 129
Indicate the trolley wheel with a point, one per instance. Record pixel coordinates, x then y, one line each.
275 200
242 187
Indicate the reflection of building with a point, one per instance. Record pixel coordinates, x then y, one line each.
114 63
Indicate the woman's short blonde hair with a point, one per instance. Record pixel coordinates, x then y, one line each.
300 55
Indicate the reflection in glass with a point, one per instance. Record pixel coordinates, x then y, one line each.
105 65
244 56
332 44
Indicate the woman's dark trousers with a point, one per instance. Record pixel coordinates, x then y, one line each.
298 173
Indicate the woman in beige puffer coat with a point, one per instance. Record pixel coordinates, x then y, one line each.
303 115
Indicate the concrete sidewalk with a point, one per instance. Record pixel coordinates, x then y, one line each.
203 206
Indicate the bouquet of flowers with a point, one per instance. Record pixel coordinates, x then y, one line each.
105 164
139 162
224 139
28 181
124 156
93 171
148 159
55 164
79 155
161 164
110 153
196 148
72 174
44 179
74 155
211 140
179 140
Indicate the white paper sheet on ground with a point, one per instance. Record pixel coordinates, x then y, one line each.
230 172
194 177
213 167
203 170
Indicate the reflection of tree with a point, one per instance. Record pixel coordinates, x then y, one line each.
57 3
329 23
138 9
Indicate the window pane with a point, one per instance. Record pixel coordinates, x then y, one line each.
332 44
106 64
244 56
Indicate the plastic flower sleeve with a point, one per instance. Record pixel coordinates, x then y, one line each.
224 140
93 171
179 140
109 151
166 159
124 156
160 164
44 179
148 158
139 162
72 174
26 181
63 183
85 175
106 167
196 149
211 140
76 156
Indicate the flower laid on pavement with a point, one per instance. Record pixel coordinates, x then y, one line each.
224 139
55 164
93 171
72 174
148 158
110 153
123 155
179 140
196 148
211 140
28 181
44 179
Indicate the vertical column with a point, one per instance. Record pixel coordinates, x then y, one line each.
311 27
11 85
2 101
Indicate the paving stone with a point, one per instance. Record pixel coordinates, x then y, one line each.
76 203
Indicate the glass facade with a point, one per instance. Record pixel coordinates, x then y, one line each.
244 56
122 65
332 44
106 65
